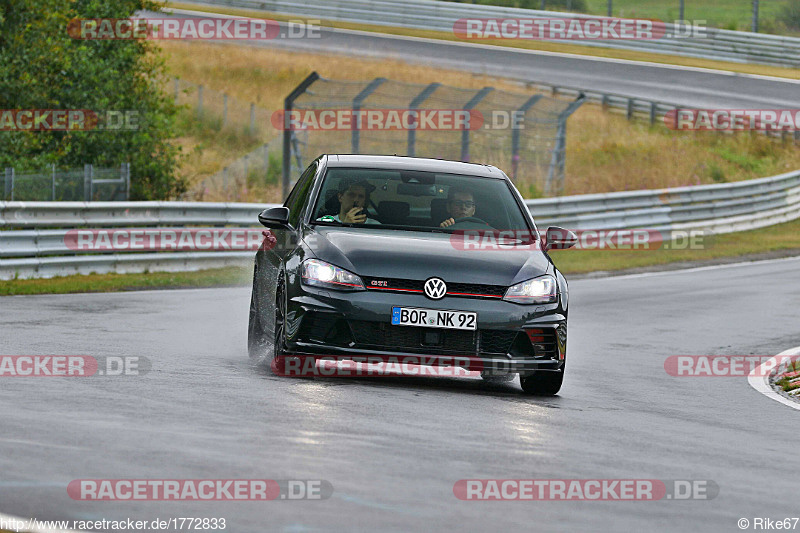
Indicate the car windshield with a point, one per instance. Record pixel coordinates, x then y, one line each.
416 201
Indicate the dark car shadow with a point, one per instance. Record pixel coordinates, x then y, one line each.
462 385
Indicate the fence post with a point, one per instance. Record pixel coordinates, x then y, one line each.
252 118
176 89
475 100
224 110
246 169
415 103
87 182
629 110
266 161
557 160
54 182
287 130
516 132
225 181
652 113
610 8
355 127
199 100
755 16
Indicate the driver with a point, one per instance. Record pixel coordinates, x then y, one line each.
353 199
460 204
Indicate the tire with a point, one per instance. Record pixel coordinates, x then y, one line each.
542 383
278 363
257 336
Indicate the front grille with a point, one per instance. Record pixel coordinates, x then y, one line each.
368 334
464 290
496 340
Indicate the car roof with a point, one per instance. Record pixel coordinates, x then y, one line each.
395 162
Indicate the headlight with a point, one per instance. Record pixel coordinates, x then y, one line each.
541 290
321 274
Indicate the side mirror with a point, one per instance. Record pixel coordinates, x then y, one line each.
559 239
275 217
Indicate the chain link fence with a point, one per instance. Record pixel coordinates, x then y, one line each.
85 184
524 134
223 111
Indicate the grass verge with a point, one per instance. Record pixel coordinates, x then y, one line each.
777 240
217 277
782 239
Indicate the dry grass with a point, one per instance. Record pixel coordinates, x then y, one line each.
605 152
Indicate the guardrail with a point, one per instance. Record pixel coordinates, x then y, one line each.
33 236
724 45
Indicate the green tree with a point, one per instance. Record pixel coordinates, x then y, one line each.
42 67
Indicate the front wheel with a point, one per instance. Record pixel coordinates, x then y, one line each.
257 336
542 383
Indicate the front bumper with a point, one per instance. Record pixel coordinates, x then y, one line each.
357 326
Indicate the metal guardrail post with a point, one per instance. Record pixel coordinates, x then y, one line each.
557 161
652 113
755 16
87 182
125 174
629 109
415 103
516 132
357 101
287 129
176 89
9 183
475 100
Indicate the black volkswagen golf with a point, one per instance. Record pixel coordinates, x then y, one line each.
385 256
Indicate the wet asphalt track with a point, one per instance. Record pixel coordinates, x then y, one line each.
393 448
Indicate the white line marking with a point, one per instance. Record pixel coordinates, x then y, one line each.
760 382
528 51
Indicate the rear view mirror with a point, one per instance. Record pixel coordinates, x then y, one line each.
275 217
559 239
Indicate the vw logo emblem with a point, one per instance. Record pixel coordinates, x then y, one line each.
435 288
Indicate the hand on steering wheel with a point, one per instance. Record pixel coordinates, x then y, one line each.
451 221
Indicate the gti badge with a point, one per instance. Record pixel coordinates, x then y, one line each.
435 288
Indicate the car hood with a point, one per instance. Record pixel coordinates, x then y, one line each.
414 255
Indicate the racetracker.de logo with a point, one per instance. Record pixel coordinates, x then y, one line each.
704 366
158 239
540 28
733 119
378 119
587 239
199 489
72 366
584 489
68 120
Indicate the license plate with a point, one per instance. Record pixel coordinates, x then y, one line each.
434 318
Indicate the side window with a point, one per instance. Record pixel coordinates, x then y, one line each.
299 195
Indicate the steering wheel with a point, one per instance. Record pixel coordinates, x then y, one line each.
467 220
